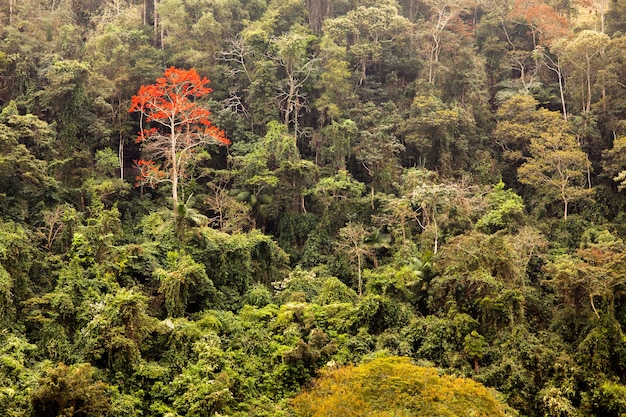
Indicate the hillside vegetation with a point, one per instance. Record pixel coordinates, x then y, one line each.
240 208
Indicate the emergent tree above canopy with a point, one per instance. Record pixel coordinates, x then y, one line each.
178 127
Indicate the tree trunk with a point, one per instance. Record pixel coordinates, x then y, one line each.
360 282
593 306
155 22
174 168
562 92
602 22
120 155
436 234
588 106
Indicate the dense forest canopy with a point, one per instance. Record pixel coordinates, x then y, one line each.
437 180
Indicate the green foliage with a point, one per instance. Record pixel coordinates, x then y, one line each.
258 295
440 340
293 233
474 345
554 403
183 277
378 145
201 388
557 167
521 362
431 118
107 162
603 347
358 213
17 259
492 271
334 194
70 391
336 142
25 178
609 399
371 35
593 273
335 291
300 285
396 282
66 101
506 210
378 313
236 262
19 377
116 329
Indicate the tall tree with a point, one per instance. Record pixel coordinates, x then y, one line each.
592 272
518 121
439 133
334 82
544 22
584 61
179 127
557 167
443 12
369 34
292 57
378 147
353 242
600 8
438 204
552 60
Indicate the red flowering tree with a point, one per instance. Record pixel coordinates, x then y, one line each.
174 127
545 23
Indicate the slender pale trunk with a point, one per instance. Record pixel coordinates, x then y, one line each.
436 234
360 280
562 92
120 155
602 21
156 21
290 105
120 148
593 306
363 71
174 162
588 83
556 68
431 63
412 11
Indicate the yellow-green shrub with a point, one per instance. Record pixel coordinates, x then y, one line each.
393 386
